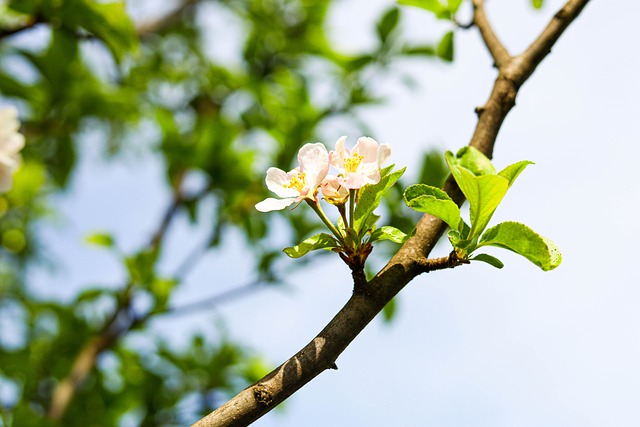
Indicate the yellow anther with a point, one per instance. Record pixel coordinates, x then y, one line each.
351 164
297 181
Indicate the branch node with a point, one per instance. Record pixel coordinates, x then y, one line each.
262 395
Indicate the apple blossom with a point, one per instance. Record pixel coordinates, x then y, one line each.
11 142
300 183
334 192
361 165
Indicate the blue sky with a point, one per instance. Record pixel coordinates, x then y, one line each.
473 346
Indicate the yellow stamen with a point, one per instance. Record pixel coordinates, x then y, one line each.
297 181
351 164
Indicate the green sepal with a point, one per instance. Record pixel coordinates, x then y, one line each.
319 241
491 260
445 49
370 195
434 201
522 240
388 232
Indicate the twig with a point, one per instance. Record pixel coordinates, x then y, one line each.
321 353
497 50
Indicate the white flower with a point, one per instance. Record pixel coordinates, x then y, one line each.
300 183
11 142
334 192
360 166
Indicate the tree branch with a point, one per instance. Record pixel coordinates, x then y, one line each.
368 300
497 50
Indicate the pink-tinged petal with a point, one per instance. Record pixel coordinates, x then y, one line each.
367 147
314 162
353 181
278 180
11 144
271 204
339 154
384 152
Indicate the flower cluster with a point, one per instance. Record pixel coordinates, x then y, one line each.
11 142
356 168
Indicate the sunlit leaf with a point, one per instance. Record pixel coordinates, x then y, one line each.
524 241
434 201
319 241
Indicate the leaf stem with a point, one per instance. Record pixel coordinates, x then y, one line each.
315 205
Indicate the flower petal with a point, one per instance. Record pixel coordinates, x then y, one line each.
271 204
384 152
353 181
339 154
314 162
367 147
278 180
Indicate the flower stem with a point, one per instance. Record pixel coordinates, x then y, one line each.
315 205
352 206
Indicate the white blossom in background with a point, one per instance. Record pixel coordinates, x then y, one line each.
11 142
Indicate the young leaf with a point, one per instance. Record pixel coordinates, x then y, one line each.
319 241
370 195
432 200
473 159
389 233
484 194
387 24
511 172
537 4
491 190
445 47
491 260
524 241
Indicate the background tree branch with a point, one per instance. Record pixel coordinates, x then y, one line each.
367 301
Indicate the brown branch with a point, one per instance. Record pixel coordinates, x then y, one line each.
497 50
367 301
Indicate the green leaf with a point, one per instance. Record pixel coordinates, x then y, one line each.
370 195
491 260
387 24
389 310
473 159
100 239
388 233
107 21
484 194
434 170
524 241
432 200
454 5
319 241
445 47
537 4
440 10
511 172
